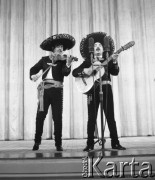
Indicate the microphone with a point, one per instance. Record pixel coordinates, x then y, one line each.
91 48
106 45
91 45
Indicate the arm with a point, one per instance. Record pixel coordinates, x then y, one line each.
83 70
35 69
113 65
78 72
66 69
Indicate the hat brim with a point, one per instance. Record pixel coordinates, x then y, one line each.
49 44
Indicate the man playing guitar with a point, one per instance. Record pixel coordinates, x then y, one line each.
89 68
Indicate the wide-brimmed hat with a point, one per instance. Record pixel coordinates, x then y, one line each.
66 40
98 37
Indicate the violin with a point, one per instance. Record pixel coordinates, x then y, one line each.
62 58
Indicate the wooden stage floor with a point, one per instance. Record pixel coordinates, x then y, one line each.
18 161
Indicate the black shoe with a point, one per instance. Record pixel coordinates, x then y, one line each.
59 148
88 148
36 147
118 146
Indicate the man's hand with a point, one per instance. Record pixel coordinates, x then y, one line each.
34 77
87 71
69 61
114 58
51 64
95 66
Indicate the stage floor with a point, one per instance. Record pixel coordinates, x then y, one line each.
17 156
136 146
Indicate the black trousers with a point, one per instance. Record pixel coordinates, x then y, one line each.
108 107
53 97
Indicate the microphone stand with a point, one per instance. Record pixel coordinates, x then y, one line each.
102 140
101 109
101 99
96 129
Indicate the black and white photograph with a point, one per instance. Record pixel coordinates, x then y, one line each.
77 89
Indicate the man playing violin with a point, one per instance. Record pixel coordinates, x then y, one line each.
50 90
88 68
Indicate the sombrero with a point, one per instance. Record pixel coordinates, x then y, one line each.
66 40
98 37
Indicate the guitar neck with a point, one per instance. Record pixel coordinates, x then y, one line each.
117 52
125 47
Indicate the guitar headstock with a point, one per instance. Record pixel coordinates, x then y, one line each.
125 47
128 45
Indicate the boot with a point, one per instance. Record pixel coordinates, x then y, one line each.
118 146
88 148
59 148
36 146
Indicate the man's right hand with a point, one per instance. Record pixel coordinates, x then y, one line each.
96 65
87 71
34 77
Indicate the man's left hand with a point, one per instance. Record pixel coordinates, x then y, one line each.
69 61
114 58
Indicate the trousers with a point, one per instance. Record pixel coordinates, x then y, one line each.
108 107
54 97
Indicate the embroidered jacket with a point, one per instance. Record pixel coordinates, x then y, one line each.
113 69
58 71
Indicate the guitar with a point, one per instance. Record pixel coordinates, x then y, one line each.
85 84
